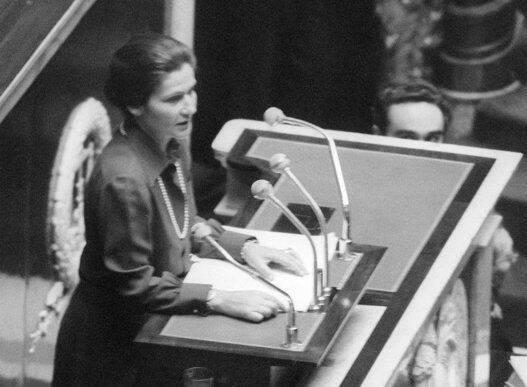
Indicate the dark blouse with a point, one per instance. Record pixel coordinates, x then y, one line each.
133 262
132 248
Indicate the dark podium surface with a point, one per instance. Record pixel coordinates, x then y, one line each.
423 203
212 337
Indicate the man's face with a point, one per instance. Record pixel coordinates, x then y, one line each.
416 120
168 112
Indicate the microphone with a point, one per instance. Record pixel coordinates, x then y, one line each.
262 189
280 163
274 116
203 231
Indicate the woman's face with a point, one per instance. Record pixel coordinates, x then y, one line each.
168 112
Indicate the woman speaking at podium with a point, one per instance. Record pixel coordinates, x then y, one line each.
139 211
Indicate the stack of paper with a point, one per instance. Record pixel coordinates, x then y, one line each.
225 276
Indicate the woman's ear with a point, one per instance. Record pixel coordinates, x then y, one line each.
135 111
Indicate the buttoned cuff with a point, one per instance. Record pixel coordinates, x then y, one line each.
195 295
233 243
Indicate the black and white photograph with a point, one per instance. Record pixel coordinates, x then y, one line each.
263 193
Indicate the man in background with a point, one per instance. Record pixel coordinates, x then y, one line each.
415 110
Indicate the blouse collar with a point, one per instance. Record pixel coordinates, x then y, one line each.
152 161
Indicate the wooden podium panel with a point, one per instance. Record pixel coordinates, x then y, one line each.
424 202
441 246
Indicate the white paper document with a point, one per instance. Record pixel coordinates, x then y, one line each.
225 276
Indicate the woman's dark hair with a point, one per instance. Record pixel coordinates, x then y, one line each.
411 90
137 67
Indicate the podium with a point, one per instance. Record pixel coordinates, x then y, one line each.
415 207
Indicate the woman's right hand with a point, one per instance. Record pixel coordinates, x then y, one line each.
251 305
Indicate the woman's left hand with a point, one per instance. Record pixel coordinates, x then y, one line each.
259 257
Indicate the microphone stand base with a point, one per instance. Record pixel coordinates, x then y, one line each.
348 251
294 346
325 299
314 308
291 340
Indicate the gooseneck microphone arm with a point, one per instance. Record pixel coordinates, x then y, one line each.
280 163
275 116
202 231
262 189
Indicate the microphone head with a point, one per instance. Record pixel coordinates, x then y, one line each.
279 162
201 230
261 189
273 116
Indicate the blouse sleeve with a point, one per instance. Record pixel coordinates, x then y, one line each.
126 215
231 241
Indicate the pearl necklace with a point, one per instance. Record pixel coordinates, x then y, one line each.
168 204
166 199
